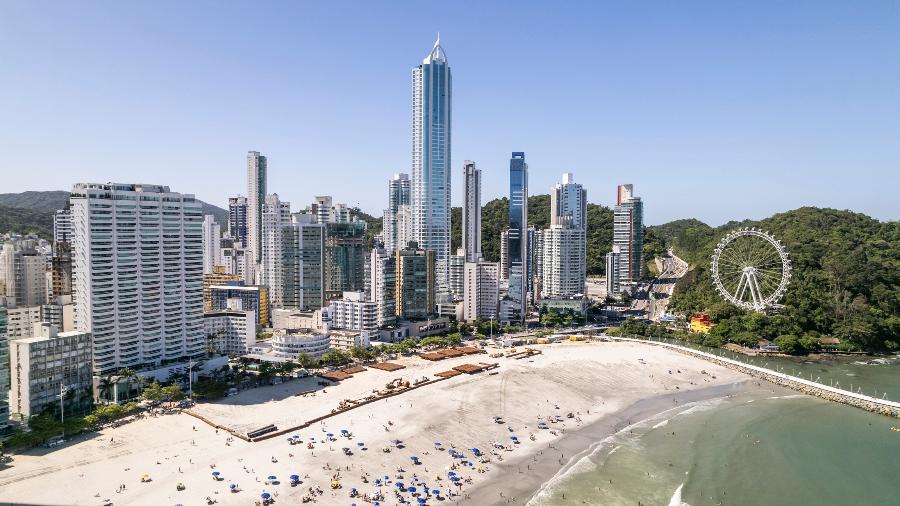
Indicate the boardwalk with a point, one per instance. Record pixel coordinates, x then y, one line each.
873 404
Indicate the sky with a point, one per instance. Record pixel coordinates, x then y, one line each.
716 110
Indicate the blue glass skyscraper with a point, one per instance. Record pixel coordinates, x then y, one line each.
431 99
517 245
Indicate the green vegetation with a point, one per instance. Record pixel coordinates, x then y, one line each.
32 212
846 280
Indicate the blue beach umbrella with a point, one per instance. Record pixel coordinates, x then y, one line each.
411 489
421 500
295 477
216 473
271 478
232 486
266 495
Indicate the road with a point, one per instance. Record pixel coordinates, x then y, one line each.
653 298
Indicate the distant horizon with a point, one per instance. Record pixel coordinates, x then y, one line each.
711 111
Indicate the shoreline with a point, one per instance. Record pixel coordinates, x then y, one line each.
519 486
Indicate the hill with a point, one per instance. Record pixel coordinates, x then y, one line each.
35 209
846 280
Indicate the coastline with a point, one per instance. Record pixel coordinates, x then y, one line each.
518 484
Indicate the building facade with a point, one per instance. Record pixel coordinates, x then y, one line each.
517 237
613 278
304 269
431 165
383 285
399 196
137 274
257 170
4 373
482 291
457 272
212 244
345 258
253 298
276 215
24 273
21 320
216 278
628 234
47 364
471 212
237 219
415 282
563 261
230 331
354 312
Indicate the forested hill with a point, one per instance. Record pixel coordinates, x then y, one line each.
32 211
846 278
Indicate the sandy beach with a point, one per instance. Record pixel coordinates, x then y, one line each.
604 385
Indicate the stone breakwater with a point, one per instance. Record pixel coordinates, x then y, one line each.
868 403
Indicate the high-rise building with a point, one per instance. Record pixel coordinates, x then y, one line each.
23 269
628 234
504 255
4 372
137 273
482 291
46 363
471 212
613 280
20 321
345 258
457 271
257 169
237 219
326 211
62 226
304 270
569 199
415 282
276 215
564 255
517 236
212 243
354 312
431 167
383 284
398 196
562 270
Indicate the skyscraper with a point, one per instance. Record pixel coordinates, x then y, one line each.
257 166
517 237
569 198
345 258
431 102
383 284
415 283
137 261
482 291
212 244
471 212
304 272
4 373
628 233
276 215
564 255
398 203
237 219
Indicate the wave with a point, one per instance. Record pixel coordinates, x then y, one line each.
585 461
676 497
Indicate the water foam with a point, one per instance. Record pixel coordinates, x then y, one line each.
676 497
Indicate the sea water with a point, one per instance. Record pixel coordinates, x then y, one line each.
756 448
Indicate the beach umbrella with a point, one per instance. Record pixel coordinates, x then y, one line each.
232 486
344 431
421 500
216 473
271 478
411 490
378 482
266 495
295 477
399 484
329 434
360 444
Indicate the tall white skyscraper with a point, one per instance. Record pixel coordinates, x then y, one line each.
257 167
471 212
628 233
564 255
275 216
383 284
212 244
431 102
399 195
137 254
568 199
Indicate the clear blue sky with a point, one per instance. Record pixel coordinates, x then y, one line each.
717 110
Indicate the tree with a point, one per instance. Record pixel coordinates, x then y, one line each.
335 358
172 393
307 362
153 392
789 344
107 388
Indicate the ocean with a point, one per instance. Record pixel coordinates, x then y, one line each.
755 448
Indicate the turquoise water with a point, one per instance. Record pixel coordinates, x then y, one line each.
756 448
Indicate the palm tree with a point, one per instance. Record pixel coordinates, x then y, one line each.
108 385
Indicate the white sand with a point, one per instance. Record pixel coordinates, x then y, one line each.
601 378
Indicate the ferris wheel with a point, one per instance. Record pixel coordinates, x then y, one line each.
751 269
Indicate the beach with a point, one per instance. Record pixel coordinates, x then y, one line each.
603 385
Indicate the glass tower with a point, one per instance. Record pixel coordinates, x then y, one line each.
517 238
431 99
